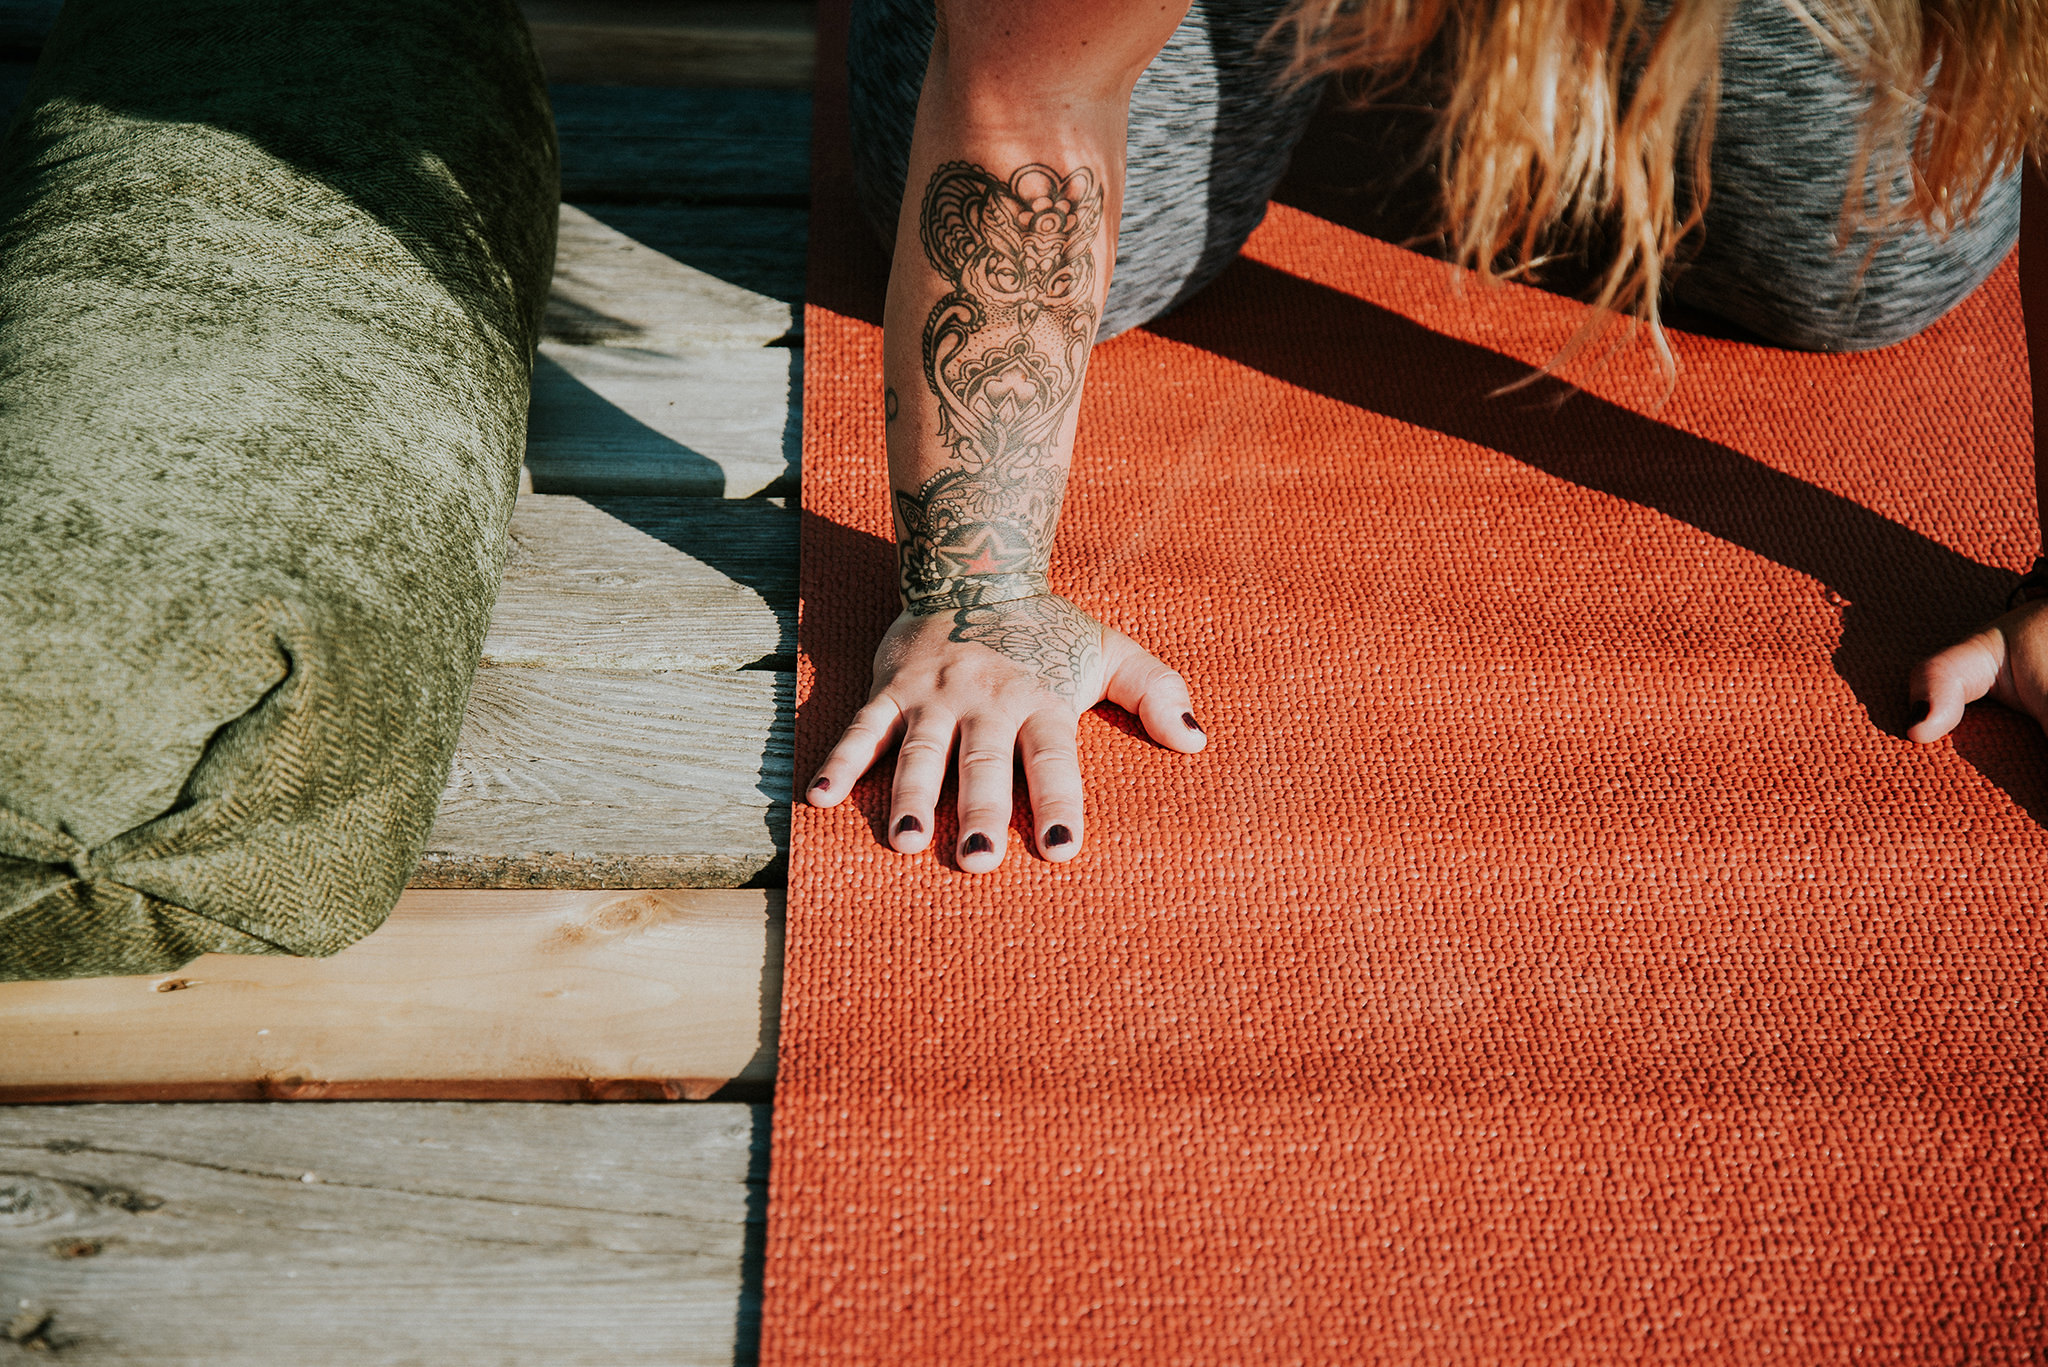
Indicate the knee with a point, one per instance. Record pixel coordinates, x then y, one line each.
1790 283
1861 317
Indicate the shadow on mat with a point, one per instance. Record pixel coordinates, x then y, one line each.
1906 595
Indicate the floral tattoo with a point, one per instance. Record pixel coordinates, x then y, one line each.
1004 352
1061 643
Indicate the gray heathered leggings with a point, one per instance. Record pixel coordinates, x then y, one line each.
1211 132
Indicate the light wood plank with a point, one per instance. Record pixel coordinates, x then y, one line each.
382 1235
587 778
660 42
645 145
613 995
595 589
611 290
620 420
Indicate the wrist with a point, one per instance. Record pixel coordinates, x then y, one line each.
926 594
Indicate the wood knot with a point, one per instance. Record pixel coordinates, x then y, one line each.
626 915
27 1201
29 1326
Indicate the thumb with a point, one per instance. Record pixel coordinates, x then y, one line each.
1953 679
1140 682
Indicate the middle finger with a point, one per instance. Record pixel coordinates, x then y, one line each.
988 756
920 769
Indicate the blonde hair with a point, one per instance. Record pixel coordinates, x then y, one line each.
1570 118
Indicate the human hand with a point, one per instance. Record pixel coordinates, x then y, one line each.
1006 680
2007 660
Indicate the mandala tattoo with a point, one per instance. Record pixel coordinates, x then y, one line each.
1061 643
1004 351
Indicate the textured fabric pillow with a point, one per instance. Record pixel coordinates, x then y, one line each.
270 278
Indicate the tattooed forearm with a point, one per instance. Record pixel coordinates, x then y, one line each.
1046 634
1004 351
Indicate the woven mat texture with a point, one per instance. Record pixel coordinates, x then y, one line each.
1556 957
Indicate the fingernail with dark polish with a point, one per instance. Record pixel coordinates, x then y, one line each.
1058 835
1187 719
978 844
909 825
821 784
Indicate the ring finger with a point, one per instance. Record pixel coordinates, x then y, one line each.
1052 769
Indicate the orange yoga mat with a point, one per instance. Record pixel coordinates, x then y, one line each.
1556 957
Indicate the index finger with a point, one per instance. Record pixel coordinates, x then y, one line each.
873 729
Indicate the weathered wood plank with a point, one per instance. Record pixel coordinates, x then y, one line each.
620 420
612 290
726 533
660 42
382 1235
647 584
532 995
643 145
586 778
758 247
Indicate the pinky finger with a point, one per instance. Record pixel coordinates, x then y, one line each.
873 730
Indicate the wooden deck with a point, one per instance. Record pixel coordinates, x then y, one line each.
598 916
380 1233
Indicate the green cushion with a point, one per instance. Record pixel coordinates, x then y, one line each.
271 272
